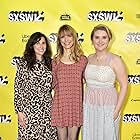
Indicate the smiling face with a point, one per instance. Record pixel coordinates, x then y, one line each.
40 48
66 40
100 40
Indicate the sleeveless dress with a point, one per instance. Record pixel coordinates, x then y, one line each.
100 100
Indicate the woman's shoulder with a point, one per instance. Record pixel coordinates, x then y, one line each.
115 57
83 58
91 56
22 62
55 62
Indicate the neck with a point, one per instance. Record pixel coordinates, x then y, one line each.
39 58
101 54
67 52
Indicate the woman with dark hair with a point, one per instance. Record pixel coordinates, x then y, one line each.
33 91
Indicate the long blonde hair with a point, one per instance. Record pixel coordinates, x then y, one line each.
76 52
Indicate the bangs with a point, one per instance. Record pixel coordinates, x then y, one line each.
66 32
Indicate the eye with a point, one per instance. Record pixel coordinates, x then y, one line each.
69 35
96 37
62 36
104 37
43 42
37 42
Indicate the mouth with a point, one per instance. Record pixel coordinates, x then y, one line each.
100 45
67 43
41 50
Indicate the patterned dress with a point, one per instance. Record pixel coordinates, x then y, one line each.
67 109
99 103
33 98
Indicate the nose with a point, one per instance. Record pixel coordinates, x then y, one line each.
100 40
39 45
66 38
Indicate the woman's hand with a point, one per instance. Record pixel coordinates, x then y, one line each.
115 115
22 119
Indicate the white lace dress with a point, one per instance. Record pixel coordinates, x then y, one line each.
99 101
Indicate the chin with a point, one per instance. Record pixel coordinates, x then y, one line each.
41 54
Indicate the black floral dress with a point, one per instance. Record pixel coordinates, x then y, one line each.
33 98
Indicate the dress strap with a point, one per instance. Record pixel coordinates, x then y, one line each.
109 57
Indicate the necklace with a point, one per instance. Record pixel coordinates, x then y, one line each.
98 59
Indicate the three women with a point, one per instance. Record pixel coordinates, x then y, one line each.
102 103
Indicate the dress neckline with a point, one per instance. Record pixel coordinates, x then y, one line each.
67 63
102 67
106 61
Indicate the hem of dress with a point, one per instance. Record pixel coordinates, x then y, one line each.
67 125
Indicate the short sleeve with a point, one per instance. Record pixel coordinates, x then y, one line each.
54 70
84 63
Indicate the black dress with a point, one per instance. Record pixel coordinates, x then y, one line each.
33 98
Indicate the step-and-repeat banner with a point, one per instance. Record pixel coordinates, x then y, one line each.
19 19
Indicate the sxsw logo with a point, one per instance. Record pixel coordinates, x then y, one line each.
5 118
15 60
135 100
133 79
133 37
136 136
3 80
138 61
80 37
53 37
29 16
105 16
131 118
2 39
137 15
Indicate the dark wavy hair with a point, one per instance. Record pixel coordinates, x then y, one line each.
29 53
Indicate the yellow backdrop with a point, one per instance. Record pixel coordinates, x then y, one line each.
19 19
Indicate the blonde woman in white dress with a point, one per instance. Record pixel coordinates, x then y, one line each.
102 102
